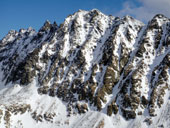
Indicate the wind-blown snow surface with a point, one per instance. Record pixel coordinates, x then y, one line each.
92 71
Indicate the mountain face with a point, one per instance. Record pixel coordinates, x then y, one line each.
92 71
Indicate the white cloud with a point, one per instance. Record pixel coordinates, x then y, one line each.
147 9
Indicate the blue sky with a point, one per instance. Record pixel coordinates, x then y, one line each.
16 14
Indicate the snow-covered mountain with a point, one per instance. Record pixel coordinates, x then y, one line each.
92 71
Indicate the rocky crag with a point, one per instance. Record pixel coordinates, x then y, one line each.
92 67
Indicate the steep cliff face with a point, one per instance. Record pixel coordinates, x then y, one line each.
92 67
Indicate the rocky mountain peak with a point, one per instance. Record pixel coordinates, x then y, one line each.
47 25
91 66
